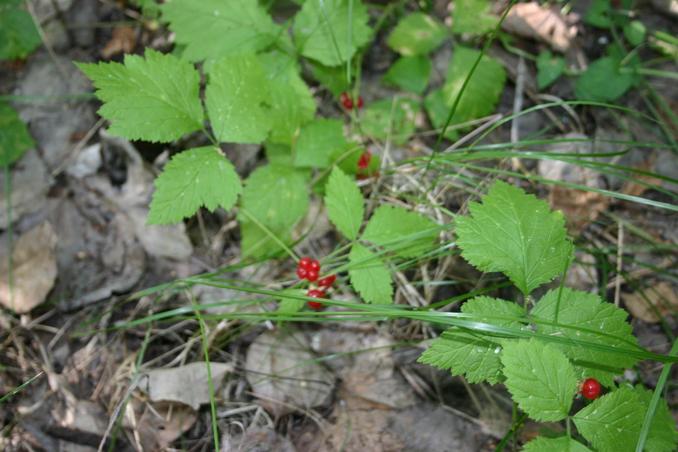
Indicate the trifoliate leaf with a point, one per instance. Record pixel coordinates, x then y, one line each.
155 98
604 81
516 234
235 97
540 378
369 276
561 444
549 68
344 202
18 35
612 422
291 101
330 31
402 231
473 355
318 141
192 179
14 136
410 73
437 111
217 28
390 119
589 313
473 17
417 34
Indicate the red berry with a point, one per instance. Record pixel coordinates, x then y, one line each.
315 293
360 102
311 275
364 160
302 273
346 101
304 262
314 265
590 389
327 281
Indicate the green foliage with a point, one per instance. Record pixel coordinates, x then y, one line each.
332 78
235 97
18 35
438 110
410 73
318 141
473 17
540 379
549 68
516 234
635 32
216 28
192 179
288 305
663 436
369 275
155 98
344 202
417 34
604 81
402 231
392 119
14 137
560 444
331 31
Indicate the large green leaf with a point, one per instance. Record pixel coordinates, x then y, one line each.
407 233
345 206
14 136
560 444
369 276
417 34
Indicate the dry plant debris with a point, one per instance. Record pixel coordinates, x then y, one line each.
531 20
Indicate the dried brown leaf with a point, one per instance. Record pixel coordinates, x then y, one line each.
651 304
531 20
124 40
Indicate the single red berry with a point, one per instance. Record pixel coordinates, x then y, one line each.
302 273
314 265
364 160
315 293
590 388
346 101
327 281
311 275
304 262
360 102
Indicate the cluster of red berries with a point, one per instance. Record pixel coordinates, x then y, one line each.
347 101
590 388
310 269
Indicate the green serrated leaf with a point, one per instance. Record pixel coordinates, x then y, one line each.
663 436
235 96
516 234
612 422
549 69
417 34
402 231
369 276
470 354
587 311
561 444
603 81
331 31
318 141
473 17
344 202
14 137
291 101
18 35
217 28
392 119
540 378
410 73
155 98
192 179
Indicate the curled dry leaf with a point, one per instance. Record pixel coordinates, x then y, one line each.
653 303
34 269
531 20
162 423
123 41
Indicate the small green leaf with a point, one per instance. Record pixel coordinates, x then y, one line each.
332 78
612 422
473 17
635 32
192 179
549 69
410 73
14 136
18 35
344 204
369 276
402 231
417 34
392 119
598 14
217 28
603 81
235 97
561 444
516 234
318 141
540 378
438 110
155 98
331 31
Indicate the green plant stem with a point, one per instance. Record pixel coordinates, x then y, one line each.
20 388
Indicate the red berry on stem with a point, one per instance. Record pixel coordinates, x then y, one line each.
311 275
327 281
315 293
346 101
590 388
360 102
314 265
304 262
302 273
364 160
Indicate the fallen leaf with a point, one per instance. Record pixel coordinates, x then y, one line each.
653 303
186 384
123 41
34 270
580 207
162 423
531 20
